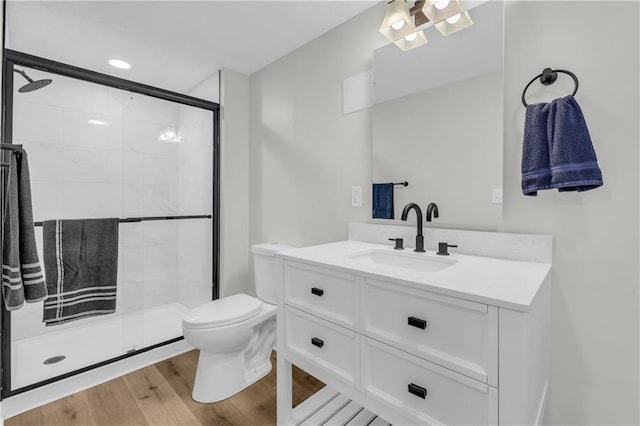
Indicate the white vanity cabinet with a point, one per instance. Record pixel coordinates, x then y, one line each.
410 354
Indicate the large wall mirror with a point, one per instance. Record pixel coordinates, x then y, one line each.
437 121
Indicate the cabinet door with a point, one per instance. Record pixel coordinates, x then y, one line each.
426 392
454 333
323 292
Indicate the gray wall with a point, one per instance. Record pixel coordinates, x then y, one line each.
234 184
594 312
304 156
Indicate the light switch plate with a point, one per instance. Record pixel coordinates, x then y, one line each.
356 196
496 196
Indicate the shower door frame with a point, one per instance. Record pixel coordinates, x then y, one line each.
12 58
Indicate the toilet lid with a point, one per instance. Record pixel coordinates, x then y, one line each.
226 311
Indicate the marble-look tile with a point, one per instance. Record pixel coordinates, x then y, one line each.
133 167
79 130
91 200
161 233
131 235
147 108
44 163
161 275
160 169
46 200
196 164
90 165
525 247
133 199
134 133
37 122
196 198
195 267
160 200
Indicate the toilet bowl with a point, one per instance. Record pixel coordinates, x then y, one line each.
236 334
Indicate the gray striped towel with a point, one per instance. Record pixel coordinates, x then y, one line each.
22 278
81 266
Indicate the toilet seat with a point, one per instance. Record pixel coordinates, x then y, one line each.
222 312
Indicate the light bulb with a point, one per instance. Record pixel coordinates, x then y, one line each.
397 25
441 4
454 18
411 36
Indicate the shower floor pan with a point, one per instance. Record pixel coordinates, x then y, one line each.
83 346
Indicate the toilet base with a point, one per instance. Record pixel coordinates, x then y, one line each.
220 377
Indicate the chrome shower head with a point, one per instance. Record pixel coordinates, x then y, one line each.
32 85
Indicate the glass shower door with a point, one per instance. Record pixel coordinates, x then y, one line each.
99 152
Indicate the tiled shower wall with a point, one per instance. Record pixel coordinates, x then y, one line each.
116 166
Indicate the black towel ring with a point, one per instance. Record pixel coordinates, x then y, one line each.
547 77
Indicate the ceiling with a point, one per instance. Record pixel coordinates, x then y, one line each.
171 44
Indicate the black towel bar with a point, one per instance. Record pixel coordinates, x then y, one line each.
401 183
547 77
11 147
146 218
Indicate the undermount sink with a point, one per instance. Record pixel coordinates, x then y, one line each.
407 260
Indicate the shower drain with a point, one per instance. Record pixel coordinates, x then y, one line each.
54 359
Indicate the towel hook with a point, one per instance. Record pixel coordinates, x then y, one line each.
547 77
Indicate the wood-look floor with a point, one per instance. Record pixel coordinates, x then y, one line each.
161 395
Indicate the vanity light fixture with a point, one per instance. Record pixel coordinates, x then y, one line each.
397 21
454 23
439 10
448 16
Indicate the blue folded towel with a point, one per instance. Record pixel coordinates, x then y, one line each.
536 173
382 201
557 149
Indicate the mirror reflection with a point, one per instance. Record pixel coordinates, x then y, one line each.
437 121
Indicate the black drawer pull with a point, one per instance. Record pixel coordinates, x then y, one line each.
317 342
417 390
317 291
417 322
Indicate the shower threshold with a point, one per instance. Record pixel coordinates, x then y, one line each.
34 359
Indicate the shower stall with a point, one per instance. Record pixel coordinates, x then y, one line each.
103 147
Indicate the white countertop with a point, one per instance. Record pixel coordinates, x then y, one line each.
504 283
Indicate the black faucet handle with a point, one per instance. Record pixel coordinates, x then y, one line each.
399 243
443 248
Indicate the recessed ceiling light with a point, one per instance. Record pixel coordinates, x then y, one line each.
98 122
118 63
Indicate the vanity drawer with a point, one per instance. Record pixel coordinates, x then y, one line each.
332 348
424 391
323 292
457 334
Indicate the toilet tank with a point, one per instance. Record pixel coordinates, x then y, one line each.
268 270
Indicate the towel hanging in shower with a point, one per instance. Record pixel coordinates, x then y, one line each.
22 278
81 268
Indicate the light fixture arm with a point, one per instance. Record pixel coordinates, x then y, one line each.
416 11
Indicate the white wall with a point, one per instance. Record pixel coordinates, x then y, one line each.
235 274
594 322
304 156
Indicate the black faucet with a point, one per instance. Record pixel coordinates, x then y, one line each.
432 209
419 238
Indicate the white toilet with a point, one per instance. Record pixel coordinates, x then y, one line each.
236 334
